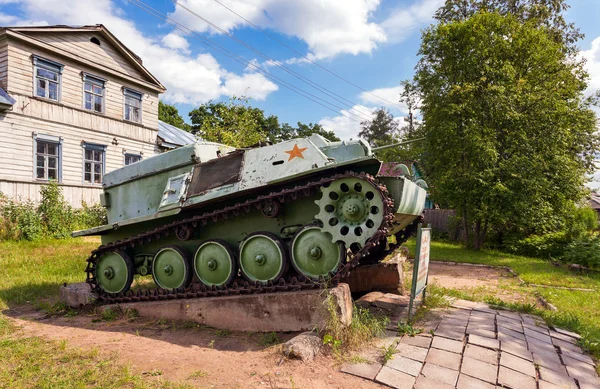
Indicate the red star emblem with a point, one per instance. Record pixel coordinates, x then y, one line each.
296 152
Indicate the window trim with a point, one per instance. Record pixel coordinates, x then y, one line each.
58 140
99 81
96 147
129 92
47 64
125 155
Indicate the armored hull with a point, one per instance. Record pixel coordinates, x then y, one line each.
207 219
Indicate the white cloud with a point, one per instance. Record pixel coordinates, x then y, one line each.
344 125
329 27
592 65
11 20
176 42
188 79
386 97
402 22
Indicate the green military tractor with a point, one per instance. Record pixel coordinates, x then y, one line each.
210 220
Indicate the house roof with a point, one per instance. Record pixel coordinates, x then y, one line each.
172 137
5 100
595 201
133 58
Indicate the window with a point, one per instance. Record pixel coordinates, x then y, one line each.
48 155
93 163
133 105
132 158
93 93
47 77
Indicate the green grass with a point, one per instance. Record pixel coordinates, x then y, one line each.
32 272
578 311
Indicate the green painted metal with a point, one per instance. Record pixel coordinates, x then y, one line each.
351 210
115 272
262 257
313 254
214 263
171 268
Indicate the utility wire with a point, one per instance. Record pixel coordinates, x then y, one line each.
340 99
303 55
237 58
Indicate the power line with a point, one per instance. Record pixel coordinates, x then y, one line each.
297 75
303 55
237 58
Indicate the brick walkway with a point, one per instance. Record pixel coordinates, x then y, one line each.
474 346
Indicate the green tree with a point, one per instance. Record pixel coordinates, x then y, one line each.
380 131
306 130
169 114
234 123
509 134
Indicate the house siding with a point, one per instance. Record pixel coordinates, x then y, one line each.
67 118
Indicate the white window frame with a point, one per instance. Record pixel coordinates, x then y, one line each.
58 140
134 94
94 81
52 66
94 147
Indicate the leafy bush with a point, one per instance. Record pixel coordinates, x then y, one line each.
53 217
541 246
584 251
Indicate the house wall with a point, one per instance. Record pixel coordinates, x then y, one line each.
67 118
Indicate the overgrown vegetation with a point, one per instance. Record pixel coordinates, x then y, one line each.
364 327
53 217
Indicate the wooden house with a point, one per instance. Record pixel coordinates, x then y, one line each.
74 104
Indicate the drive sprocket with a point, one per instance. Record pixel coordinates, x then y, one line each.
352 210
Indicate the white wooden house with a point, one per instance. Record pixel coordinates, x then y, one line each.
77 103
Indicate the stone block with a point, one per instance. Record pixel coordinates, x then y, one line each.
419 341
539 327
382 276
285 311
405 365
363 370
514 379
481 331
76 295
567 333
444 358
464 304
549 385
517 350
447 344
504 334
481 354
558 378
529 333
305 346
440 374
412 352
580 356
394 378
484 342
466 382
519 364
478 369
427 383
517 327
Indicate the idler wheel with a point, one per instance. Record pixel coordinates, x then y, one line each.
314 255
214 263
171 268
271 208
184 232
114 272
262 257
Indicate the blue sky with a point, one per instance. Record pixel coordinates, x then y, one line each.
371 43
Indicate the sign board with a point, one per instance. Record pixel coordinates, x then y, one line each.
421 265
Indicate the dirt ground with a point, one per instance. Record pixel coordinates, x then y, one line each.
477 280
209 358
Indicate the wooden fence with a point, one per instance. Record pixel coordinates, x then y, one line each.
441 220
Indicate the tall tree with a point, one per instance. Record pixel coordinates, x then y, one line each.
380 131
509 134
234 123
169 114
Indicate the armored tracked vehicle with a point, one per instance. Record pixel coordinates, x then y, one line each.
209 220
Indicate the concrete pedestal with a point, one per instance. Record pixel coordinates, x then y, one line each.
282 312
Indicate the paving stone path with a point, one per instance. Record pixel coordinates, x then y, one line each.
476 347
